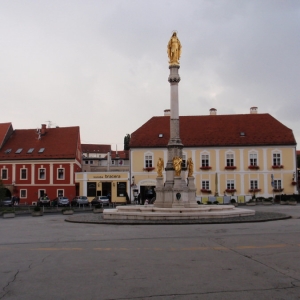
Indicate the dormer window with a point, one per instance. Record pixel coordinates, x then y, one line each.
19 150
7 151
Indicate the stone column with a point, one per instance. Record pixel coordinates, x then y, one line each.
175 145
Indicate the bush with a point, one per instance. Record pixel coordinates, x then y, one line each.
98 205
209 202
216 202
232 201
37 208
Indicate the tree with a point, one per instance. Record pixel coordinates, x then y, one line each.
126 141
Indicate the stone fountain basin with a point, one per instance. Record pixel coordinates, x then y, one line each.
150 212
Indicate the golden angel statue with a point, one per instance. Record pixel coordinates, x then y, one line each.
174 50
190 166
177 165
160 167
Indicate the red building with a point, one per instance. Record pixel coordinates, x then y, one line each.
34 162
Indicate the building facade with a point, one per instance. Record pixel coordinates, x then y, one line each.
232 154
35 162
104 172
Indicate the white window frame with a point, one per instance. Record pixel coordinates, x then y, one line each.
21 191
230 159
230 184
6 177
276 158
39 192
63 177
254 184
205 185
253 158
26 170
205 159
148 160
39 170
60 194
277 184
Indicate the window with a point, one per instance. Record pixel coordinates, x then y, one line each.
23 193
112 162
276 159
121 189
41 150
42 174
148 161
60 173
91 162
205 184
183 164
86 162
253 184
277 184
23 174
60 193
7 151
30 150
4 174
42 193
253 159
229 160
204 160
230 184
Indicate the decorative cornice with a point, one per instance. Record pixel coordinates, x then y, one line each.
174 79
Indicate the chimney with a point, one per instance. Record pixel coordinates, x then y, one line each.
253 110
43 130
212 111
167 112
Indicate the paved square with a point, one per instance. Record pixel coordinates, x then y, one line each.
48 258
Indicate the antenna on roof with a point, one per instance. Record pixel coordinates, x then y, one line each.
49 124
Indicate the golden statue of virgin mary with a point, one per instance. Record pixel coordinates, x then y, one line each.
174 49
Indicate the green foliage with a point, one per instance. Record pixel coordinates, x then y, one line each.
98 205
2 190
232 201
37 208
66 208
126 141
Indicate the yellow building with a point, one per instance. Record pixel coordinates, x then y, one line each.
115 184
241 154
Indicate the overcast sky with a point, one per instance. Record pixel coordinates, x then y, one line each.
103 65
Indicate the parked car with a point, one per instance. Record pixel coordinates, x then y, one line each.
7 201
80 200
104 200
44 201
61 201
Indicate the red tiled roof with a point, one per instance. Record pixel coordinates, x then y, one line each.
124 154
214 131
58 143
95 148
4 129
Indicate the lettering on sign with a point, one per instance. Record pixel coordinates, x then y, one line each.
107 176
